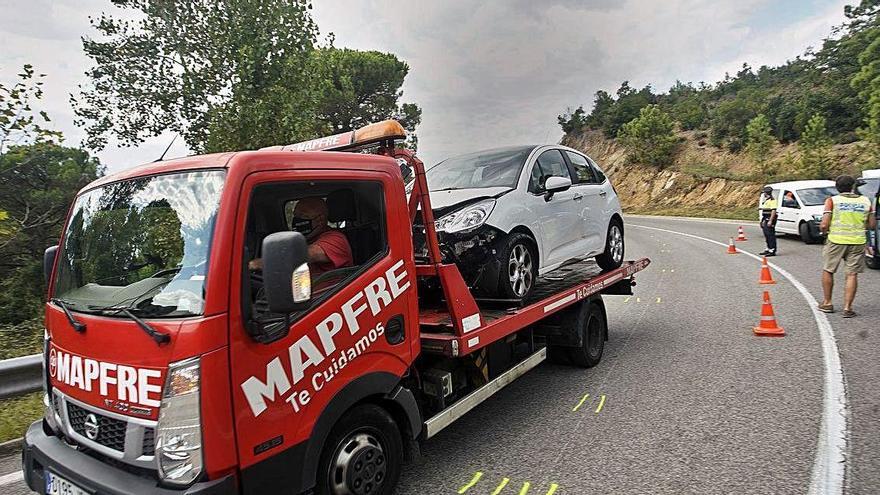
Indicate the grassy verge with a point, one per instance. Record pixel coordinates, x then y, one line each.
17 414
22 339
692 211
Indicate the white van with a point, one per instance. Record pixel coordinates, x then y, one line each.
801 204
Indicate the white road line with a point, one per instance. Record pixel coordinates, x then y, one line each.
753 223
8 479
829 466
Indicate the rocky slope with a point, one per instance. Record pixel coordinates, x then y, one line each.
670 191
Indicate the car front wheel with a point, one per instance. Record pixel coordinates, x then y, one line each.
519 267
612 257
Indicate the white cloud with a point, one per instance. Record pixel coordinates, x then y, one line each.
485 73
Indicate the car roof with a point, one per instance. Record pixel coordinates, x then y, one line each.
802 184
873 173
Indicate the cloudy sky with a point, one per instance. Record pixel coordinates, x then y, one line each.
486 73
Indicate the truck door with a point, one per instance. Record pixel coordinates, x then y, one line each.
286 369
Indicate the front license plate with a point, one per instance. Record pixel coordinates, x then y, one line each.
56 485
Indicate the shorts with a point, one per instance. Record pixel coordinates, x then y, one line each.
852 254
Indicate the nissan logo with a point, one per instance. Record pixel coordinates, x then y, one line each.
91 427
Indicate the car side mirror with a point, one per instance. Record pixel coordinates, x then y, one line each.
286 277
49 262
554 185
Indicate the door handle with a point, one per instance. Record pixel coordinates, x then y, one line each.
603 193
578 196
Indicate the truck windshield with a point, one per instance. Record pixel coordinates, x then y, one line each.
140 244
817 195
492 168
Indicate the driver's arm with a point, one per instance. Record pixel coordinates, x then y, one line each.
317 254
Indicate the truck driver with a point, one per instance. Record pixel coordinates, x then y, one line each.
328 248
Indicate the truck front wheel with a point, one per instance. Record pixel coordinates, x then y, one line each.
362 455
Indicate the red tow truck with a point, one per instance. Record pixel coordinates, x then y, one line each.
173 367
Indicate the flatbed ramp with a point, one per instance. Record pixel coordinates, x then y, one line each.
554 292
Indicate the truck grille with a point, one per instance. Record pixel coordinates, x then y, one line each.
111 432
149 447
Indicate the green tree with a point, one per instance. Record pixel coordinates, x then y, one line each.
759 142
572 120
815 146
650 137
19 123
867 82
360 87
227 74
37 184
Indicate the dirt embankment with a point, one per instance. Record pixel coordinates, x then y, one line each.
671 191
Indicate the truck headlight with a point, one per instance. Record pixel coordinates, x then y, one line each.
467 218
50 411
179 431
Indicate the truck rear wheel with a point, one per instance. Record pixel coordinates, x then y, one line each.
362 455
593 325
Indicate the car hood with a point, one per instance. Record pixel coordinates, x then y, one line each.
443 202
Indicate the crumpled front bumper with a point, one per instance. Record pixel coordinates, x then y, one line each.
42 450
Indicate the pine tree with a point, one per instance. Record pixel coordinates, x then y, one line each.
759 142
815 146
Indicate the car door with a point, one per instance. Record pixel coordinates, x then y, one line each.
558 216
590 196
787 212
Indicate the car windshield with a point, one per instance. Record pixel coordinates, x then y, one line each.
816 195
140 244
870 188
492 168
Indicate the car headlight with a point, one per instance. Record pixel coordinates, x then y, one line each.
467 218
179 432
817 218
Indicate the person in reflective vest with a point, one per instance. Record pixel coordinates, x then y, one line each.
768 220
846 217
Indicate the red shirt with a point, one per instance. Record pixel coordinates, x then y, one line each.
335 246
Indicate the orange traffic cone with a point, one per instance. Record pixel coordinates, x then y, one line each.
766 276
731 247
768 326
741 234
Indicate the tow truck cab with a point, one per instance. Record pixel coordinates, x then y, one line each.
172 366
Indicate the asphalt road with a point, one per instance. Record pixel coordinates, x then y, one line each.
686 399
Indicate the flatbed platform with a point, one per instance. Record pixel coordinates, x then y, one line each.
497 319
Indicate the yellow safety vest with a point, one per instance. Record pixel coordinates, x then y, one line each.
848 219
768 206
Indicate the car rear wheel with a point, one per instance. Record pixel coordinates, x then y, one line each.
519 267
873 262
612 257
804 231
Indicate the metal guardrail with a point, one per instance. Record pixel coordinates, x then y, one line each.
21 375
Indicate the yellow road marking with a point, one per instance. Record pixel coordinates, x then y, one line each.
552 490
601 403
473 482
638 299
672 271
525 488
627 299
658 300
663 270
504 483
580 403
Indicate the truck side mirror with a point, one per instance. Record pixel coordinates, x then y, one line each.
49 262
554 185
286 278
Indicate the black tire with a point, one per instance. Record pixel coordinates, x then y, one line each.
873 262
522 247
612 258
367 438
593 325
804 231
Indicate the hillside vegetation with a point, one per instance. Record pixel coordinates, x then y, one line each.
699 146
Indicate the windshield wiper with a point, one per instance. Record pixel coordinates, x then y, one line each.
446 189
76 324
159 337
